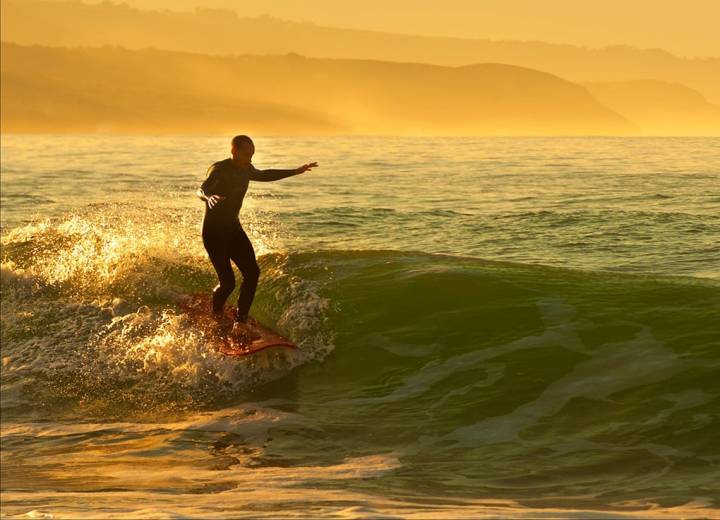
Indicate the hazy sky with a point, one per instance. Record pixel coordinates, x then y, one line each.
684 27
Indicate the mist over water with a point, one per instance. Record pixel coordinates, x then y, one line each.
488 326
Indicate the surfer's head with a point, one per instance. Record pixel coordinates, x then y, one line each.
242 149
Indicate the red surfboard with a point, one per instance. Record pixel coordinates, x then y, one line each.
255 338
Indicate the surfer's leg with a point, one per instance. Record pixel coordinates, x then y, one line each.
243 254
217 250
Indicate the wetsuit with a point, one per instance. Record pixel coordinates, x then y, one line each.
223 235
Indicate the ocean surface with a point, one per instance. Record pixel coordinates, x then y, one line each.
488 328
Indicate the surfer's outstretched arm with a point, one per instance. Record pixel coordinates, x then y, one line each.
275 175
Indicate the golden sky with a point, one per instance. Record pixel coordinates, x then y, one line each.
684 27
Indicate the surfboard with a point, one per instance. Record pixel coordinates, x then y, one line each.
258 337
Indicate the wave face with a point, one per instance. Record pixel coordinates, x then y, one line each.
480 378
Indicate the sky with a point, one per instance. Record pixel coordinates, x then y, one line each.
687 28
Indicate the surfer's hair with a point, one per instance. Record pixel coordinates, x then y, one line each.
240 139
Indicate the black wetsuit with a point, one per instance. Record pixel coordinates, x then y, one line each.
223 235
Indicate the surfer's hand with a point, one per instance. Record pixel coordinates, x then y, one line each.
213 200
306 167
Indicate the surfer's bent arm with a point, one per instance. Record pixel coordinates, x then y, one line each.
271 175
210 183
201 194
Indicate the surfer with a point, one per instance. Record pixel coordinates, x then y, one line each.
223 236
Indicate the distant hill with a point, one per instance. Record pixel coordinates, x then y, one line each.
47 89
213 31
660 108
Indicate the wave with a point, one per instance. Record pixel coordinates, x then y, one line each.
91 326
464 372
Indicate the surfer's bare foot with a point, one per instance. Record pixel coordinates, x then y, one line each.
246 319
220 323
244 329
251 322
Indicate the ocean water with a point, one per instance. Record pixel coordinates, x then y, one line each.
489 328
